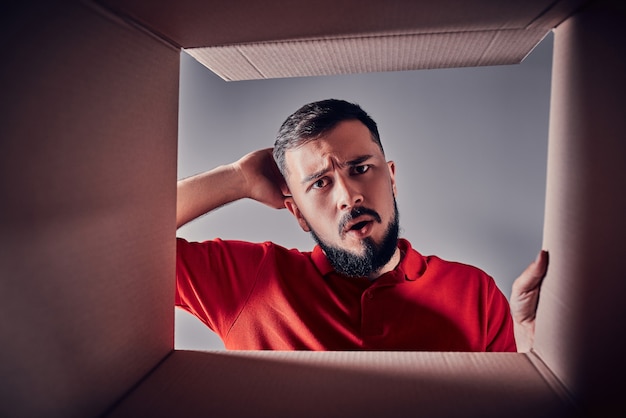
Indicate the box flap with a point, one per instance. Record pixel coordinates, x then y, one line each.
343 384
88 121
267 40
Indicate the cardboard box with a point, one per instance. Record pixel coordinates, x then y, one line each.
88 129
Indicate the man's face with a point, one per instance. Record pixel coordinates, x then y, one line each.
343 192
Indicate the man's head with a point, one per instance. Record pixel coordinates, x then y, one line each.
313 120
342 188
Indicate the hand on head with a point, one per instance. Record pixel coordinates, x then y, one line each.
264 181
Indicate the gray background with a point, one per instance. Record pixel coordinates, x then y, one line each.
469 145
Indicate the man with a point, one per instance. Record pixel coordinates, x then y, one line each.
362 287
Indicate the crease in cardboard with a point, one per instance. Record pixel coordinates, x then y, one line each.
129 392
486 50
130 21
565 9
250 62
543 14
553 381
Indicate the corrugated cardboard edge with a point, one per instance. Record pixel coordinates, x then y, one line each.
375 52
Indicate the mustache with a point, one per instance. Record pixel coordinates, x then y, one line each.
355 213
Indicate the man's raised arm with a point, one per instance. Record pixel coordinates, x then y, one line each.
254 176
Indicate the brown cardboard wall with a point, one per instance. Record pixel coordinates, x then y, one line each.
201 23
87 179
580 331
88 128
344 384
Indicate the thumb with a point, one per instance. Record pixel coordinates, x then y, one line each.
532 276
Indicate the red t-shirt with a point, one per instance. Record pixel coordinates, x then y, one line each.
264 296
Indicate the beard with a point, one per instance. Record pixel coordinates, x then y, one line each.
374 256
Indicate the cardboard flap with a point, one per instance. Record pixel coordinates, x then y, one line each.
240 41
343 384
88 124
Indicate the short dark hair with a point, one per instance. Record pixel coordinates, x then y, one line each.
313 120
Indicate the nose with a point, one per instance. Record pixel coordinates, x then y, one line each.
348 195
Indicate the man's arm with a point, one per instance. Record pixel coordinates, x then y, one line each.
254 176
524 300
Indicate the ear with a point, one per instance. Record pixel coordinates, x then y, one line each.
290 204
392 174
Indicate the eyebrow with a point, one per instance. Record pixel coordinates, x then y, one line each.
356 161
315 175
359 160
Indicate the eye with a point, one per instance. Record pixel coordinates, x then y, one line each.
323 182
361 169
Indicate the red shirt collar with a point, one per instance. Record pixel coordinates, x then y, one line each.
411 267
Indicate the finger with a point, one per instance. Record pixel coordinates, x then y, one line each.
284 189
534 273
278 177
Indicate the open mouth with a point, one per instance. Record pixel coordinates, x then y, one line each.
359 220
357 226
360 228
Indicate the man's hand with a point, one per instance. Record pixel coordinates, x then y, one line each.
263 180
524 300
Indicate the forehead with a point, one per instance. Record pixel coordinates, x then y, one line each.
348 140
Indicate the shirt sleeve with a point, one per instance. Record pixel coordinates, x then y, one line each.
500 323
215 278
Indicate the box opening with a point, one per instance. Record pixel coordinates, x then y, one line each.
470 147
